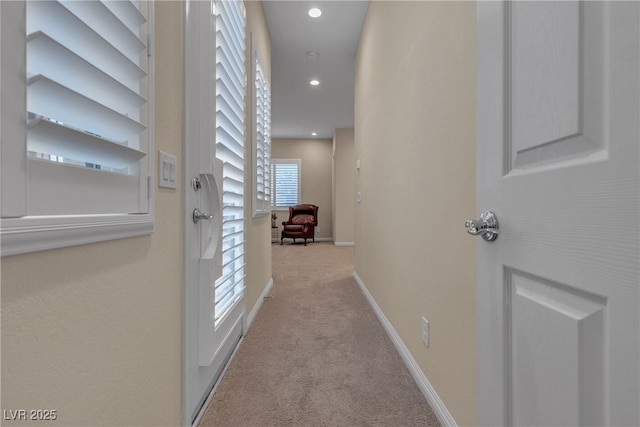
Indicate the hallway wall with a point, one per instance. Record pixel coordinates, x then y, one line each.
258 230
344 184
415 138
95 331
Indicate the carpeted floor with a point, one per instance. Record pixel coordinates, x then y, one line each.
316 355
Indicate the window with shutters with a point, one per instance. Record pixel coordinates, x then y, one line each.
76 79
261 139
230 149
285 183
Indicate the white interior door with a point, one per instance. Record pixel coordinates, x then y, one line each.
209 338
558 161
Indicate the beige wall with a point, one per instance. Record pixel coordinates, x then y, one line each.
415 137
315 155
344 184
258 235
95 331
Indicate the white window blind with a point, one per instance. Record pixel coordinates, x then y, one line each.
87 107
261 139
230 149
285 183
85 138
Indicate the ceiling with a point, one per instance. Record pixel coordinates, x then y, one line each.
297 108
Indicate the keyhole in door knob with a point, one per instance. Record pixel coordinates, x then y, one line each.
197 185
486 227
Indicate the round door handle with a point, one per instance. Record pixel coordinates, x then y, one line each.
486 226
198 215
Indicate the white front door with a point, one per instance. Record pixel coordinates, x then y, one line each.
558 161
209 337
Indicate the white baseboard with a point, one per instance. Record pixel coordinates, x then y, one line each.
256 308
344 243
437 405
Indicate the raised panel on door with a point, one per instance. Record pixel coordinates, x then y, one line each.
556 84
556 350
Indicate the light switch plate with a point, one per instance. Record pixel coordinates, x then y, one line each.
167 167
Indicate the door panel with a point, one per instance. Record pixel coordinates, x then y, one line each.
557 94
558 162
556 347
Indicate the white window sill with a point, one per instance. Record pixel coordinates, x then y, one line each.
31 234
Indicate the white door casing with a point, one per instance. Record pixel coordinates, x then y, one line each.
558 162
207 346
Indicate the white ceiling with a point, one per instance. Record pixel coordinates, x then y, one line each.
298 109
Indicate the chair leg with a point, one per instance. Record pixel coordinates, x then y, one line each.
281 240
305 241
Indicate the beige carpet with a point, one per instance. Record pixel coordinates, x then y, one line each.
316 355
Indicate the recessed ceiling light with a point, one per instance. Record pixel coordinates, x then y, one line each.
312 54
314 82
315 12
314 134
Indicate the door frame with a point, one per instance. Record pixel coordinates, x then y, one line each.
208 345
195 84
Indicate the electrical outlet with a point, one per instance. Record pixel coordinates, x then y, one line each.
425 332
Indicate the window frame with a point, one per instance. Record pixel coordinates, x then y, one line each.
261 206
274 199
30 233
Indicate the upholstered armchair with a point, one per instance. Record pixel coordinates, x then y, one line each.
301 223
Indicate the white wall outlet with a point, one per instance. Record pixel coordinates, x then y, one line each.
425 331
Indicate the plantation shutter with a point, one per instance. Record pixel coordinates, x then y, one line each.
286 182
230 149
87 109
262 105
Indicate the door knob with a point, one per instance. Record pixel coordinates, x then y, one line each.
486 226
197 215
